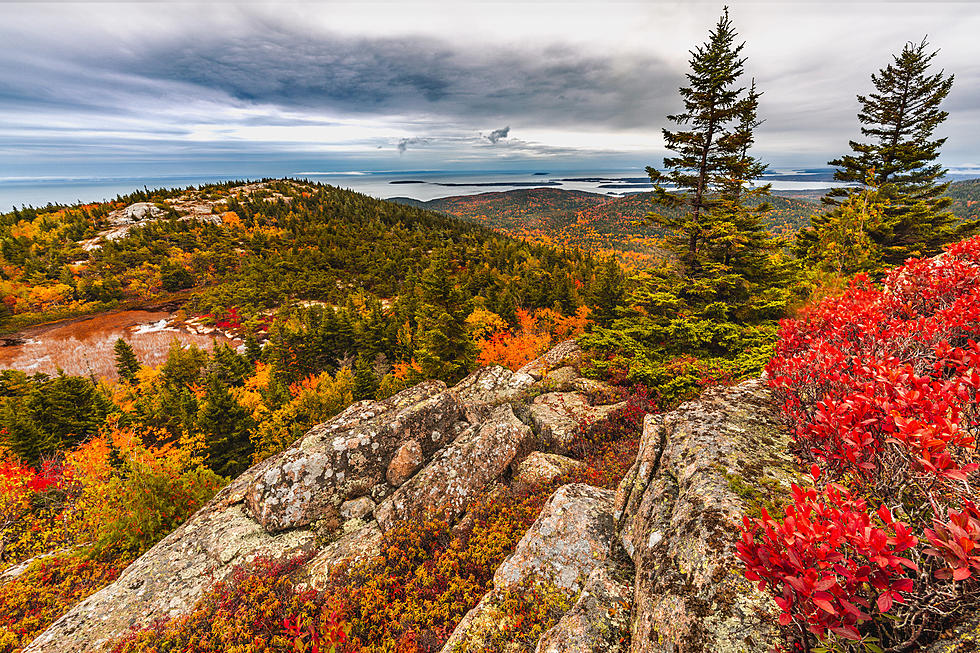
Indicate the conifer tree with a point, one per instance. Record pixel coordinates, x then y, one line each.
899 119
705 153
365 379
723 246
226 426
127 365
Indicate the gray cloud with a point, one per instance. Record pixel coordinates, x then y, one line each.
497 134
291 68
415 140
123 81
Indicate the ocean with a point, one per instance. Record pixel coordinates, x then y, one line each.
421 185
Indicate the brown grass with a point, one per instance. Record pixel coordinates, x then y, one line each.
86 347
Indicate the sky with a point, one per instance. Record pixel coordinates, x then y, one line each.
155 88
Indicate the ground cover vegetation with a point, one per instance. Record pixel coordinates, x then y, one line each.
339 297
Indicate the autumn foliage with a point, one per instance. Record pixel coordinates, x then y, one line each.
78 523
536 332
881 385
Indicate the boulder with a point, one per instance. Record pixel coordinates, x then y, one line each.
140 211
562 378
491 386
572 537
679 508
460 471
349 455
560 417
540 468
404 463
358 508
599 622
562 354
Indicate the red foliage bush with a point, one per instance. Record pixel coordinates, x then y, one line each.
881 388
826 560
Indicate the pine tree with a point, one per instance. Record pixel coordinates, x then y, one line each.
899 119
127 365
707 151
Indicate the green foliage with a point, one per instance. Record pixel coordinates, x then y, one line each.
839 242
712 317
127 365
675 334
41 416
226 426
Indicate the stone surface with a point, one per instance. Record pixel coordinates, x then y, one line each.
572 537
140 211
562 378
491 385
347 456
460 471
358 508
404 463
598 622
560 417
964 637
699 469
573 534
564 353
540 468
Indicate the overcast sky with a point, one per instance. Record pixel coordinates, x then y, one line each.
157 88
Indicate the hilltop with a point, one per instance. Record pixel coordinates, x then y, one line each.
588 221
615 225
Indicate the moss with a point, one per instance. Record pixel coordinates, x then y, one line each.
768 496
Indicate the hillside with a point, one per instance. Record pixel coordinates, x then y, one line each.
966 199
589 221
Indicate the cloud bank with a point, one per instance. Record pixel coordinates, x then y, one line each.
398 85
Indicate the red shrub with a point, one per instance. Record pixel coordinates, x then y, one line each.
827 562
882 390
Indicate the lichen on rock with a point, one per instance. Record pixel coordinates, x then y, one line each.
679 520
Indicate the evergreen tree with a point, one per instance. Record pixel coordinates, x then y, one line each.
838 242
365 379
610 290
705 153
226 426
899 120
127 365
253 350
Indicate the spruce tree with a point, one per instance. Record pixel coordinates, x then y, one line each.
127 365
707 151
899 119
365 379
723 247
226 426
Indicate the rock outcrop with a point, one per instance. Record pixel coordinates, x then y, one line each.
572 537
599 622
647 568
461 471
350 455
561 416
699 469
